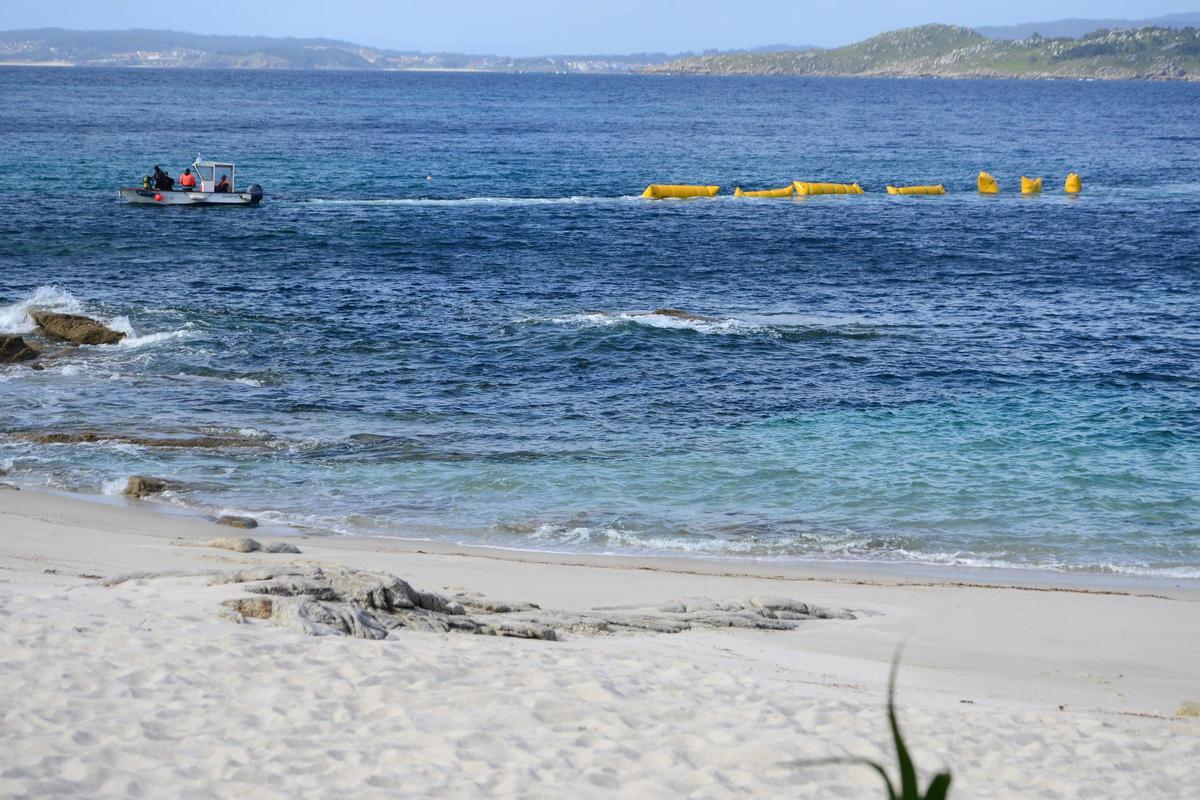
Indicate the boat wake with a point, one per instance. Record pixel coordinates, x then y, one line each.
470 201
778 326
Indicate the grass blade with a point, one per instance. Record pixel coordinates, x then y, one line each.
908 773
939 788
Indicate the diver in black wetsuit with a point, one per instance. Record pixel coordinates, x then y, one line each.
162 181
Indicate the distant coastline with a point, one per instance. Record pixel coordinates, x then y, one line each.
1164 52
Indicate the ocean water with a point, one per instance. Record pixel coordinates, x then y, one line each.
1008 381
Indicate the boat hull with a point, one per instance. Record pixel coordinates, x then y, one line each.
177 197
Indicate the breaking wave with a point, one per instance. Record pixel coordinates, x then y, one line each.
780 326
15 318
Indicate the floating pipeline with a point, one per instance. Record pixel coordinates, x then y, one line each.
806 189
939 189
986 183
787 191
661 191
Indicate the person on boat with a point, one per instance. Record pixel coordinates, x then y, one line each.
162 181
223 184
187 180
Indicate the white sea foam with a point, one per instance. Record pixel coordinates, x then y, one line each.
840 549
727 325
132 340
775 325
15 318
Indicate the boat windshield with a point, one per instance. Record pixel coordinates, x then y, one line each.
210 172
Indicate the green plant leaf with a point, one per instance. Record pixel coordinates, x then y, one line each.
939 788
864 762
909 790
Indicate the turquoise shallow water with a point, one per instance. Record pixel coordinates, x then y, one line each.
1004 381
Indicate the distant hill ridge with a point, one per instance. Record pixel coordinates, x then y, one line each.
952 52
1075 28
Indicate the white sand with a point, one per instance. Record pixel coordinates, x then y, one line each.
142 690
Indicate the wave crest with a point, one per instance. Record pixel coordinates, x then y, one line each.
789 327
15 318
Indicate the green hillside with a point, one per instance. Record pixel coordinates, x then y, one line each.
953 52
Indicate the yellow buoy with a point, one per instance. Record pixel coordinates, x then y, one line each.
787 191
806 188
987 184
1031 185
1074 183
662 191
939 189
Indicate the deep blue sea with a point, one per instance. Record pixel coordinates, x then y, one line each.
958 380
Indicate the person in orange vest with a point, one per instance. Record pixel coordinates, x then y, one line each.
187 180
223 185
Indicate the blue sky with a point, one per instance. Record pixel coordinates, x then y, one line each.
531 27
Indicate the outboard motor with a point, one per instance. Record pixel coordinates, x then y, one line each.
256 193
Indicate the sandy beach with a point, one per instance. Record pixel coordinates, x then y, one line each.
123 674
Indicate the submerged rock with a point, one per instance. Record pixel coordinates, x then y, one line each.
140 486
236 544
75 328
90 437
237 522
336 601
14 350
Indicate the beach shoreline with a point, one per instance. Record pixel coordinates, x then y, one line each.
864 571
1069 692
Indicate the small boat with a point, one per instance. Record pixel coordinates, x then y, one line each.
203 194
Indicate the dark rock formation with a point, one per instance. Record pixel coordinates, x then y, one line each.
14 349
75 328
141 486
90 437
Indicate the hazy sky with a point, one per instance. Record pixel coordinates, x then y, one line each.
528 27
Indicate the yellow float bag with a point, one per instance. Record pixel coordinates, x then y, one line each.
987 184
1031 185
661 191
787 191
939 189
805 188
1074 183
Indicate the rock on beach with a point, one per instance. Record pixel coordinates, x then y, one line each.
140 486
237 522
